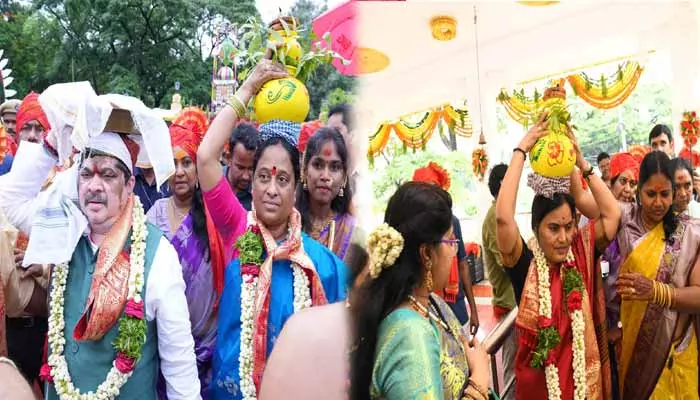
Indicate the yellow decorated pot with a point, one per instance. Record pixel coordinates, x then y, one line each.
553 156
285 99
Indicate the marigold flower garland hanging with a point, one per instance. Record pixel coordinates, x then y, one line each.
132 327
480 162
548 338
689 128
250 247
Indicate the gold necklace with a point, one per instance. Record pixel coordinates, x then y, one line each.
420 308
318 227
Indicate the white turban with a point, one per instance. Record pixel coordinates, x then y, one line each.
78 118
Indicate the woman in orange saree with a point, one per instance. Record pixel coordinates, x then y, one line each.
660 287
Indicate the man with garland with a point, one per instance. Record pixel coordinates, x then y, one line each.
117 311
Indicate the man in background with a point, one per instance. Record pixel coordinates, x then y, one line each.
239 162
8 117
503 295
661 139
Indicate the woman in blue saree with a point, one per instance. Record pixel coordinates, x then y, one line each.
276 270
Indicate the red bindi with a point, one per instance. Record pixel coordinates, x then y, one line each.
274 171
657 188
95 170
327 152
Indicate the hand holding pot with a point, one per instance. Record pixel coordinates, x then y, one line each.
536 131
265 71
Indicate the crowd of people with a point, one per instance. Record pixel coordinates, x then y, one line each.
230 264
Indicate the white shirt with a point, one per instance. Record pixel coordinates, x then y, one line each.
693 209
165 288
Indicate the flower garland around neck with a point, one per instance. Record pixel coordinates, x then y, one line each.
250 247
548 338
132 326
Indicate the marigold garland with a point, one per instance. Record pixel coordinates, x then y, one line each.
690 155
480 162
689 128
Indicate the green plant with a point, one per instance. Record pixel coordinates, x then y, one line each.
258 38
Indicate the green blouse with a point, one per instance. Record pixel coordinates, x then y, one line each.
417 359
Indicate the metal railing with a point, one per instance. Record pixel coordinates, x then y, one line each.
493 343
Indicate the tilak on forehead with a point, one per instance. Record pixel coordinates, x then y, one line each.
327 150
273 172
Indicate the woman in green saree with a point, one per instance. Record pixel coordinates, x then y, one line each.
408 343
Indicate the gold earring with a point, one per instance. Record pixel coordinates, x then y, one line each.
429 275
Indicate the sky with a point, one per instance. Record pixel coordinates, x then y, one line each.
269 9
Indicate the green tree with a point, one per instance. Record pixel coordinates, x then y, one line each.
31 42
602 130
398 167
122 46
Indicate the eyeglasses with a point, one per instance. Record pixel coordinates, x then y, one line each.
453 243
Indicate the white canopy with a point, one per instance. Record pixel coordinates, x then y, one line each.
516 43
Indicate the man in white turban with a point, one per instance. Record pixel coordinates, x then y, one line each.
117 309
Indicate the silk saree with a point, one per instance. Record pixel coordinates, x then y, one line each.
418 359
652 364
531 382
340 233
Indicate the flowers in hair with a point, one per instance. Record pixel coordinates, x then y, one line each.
384 245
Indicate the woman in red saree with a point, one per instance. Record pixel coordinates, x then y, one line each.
562 351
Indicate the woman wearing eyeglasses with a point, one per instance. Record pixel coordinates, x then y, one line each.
407 342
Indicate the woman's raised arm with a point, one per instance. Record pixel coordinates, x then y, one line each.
209 170
507 233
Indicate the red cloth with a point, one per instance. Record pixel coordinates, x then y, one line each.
188 129
30 110
307 130
622 162
133 148
433 173
694 159
500 312
531 382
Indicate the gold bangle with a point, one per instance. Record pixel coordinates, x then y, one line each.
236 103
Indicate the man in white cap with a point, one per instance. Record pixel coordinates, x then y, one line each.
117 312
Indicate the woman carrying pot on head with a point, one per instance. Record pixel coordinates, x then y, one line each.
557 278
324 199
660 288
185 221
275 270
408 343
